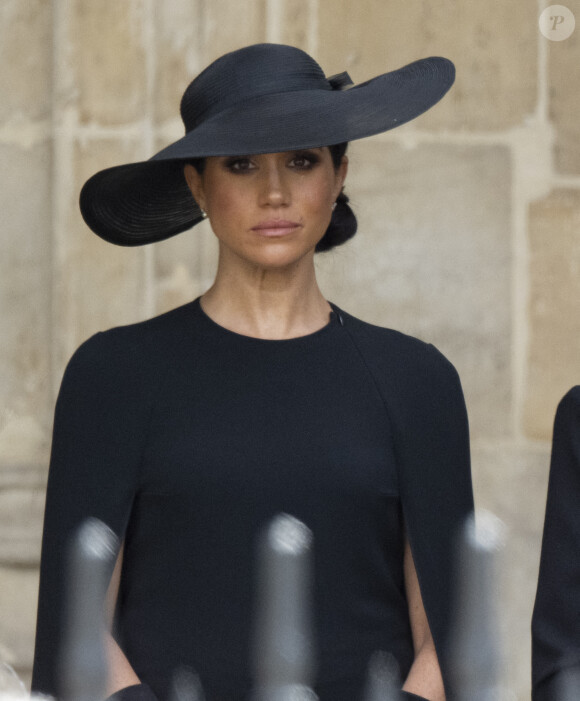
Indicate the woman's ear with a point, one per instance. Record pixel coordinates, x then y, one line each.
195 183
341 172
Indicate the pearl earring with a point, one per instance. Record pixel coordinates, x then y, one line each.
203 213
333 207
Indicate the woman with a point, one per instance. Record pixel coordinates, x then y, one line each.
187 433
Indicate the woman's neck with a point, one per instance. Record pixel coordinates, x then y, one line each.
272 304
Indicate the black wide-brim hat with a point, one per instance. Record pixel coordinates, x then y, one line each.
264 98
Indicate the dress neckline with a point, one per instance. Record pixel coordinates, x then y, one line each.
334 320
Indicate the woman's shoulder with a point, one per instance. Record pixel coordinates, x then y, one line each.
132 349
396 349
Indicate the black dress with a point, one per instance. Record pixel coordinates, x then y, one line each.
556 618
186 439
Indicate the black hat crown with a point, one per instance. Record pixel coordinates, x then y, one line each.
254 71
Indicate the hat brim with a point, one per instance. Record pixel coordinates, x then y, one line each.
149 201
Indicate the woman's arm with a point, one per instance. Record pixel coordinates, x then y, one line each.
121 673
424 676
99 428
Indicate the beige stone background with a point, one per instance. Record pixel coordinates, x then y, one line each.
469 228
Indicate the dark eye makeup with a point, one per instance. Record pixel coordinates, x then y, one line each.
298 160
304 160
238 164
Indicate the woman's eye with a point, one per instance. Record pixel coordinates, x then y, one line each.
303 162
239 165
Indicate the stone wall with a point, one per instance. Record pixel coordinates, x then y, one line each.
469 227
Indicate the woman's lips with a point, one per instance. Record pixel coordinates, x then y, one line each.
275 227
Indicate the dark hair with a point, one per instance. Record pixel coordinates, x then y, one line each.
343 224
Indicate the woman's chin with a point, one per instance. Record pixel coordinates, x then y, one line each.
278 256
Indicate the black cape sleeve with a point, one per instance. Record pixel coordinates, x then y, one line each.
99 424
556 617
424 401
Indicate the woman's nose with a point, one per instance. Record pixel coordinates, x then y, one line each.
274 186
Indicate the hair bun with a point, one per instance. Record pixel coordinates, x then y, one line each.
342 227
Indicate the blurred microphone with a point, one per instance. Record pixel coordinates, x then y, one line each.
283 650
568 684
475 645
11 686
83 665
186 686
383 682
